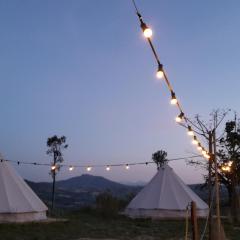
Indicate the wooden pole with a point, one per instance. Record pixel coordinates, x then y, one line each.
210 183
216 180
194 221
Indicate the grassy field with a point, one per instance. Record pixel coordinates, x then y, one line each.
88 224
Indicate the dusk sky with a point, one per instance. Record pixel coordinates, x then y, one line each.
81 68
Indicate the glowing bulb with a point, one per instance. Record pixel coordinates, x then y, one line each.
190 131
199 147
228 169
204 152
127 166
70 168
53 168
89 169
179 118
207 156
230 163
223 168
195 141
173 99
160 73
108 168
147 32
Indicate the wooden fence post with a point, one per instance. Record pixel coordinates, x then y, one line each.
194 221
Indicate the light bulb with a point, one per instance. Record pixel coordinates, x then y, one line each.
179 118
89 169
173 99
195 141
71 168
207 156
190 131
199 147
108 168
228 169
53 168
204 152
160 73
147 32
230 163
127 166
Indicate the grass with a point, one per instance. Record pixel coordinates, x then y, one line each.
90 224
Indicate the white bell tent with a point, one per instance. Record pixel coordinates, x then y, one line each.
18 203
165 196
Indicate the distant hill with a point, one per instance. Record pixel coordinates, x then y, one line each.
81 191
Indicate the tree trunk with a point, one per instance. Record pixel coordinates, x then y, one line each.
234 202
229 189
53 190
54 180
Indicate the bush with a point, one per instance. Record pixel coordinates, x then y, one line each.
107 204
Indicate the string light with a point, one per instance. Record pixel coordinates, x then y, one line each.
199 147
207 156
108 168
173 98
180 117
226 168
147 32
195 141
190 131
71 168
160 73
89 168
204 152
53 167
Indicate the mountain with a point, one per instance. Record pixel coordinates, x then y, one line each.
81 191
138 183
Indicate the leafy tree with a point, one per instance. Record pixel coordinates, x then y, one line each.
55 146
229 163
160 158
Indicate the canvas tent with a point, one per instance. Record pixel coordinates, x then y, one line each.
18 203
165 196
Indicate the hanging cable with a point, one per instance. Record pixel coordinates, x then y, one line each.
89 167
